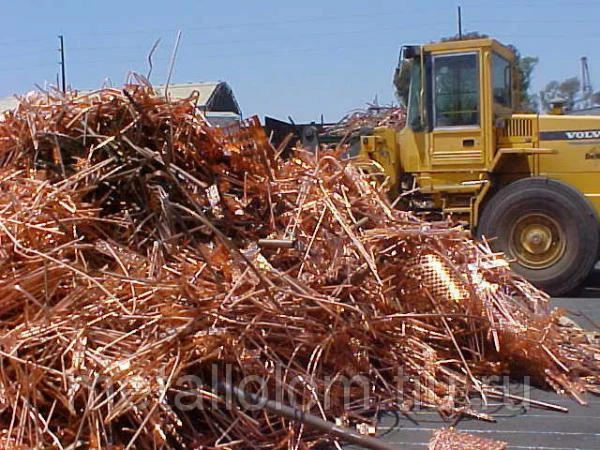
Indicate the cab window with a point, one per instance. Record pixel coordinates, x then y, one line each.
456 90
501 80
415 120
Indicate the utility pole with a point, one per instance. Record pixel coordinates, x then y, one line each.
62 63
459 22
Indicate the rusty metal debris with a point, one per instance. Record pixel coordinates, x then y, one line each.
134 275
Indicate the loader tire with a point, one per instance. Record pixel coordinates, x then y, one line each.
547 229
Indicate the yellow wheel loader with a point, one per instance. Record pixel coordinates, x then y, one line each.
528 183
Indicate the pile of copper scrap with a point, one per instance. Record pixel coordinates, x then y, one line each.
146 257
364 119
449 439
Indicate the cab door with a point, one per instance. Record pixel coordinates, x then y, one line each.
457 136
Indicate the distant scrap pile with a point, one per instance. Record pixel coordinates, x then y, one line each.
146 258
365 119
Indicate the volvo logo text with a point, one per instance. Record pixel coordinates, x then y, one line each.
591 134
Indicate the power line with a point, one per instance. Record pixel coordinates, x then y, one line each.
300 35
223 55
530 4
303 34
275 53
13 69
328 19
538 21
550 36
223 26
23 54
24 41
278 38
233 25
270 23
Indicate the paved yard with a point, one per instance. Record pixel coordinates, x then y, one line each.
523 428
530 428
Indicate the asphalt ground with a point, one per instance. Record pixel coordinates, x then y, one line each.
521 425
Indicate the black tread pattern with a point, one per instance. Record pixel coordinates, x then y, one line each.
582 223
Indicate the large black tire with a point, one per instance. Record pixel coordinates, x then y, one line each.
549 230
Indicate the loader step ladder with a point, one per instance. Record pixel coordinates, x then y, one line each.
456 196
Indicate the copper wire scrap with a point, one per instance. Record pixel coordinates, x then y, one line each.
372 116
146 256
447 439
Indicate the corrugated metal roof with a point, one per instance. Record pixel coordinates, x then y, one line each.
210 96
221 119
7 103
205 90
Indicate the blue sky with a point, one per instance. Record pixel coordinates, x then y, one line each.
302 58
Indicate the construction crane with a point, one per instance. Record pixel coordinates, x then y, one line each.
586 82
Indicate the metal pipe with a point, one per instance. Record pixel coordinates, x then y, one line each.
276 243
310 420
360 223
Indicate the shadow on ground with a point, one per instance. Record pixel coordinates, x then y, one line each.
591 289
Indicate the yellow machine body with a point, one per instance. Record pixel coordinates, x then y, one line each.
464 141
458 165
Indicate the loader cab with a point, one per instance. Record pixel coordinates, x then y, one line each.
457 92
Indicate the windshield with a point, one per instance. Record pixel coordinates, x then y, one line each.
415 119
501 81
402 81
456 90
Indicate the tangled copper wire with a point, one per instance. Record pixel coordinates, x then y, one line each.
373 116
445 439
132 277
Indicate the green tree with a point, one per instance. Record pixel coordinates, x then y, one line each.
402 82
525 67
565 90
465 36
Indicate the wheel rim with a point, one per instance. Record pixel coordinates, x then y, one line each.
537 241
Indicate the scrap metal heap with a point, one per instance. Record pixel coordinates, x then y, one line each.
146 257
373 116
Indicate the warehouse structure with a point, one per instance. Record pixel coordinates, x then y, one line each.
215 99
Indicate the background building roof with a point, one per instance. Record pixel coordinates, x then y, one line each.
214 96
593 111
8 103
